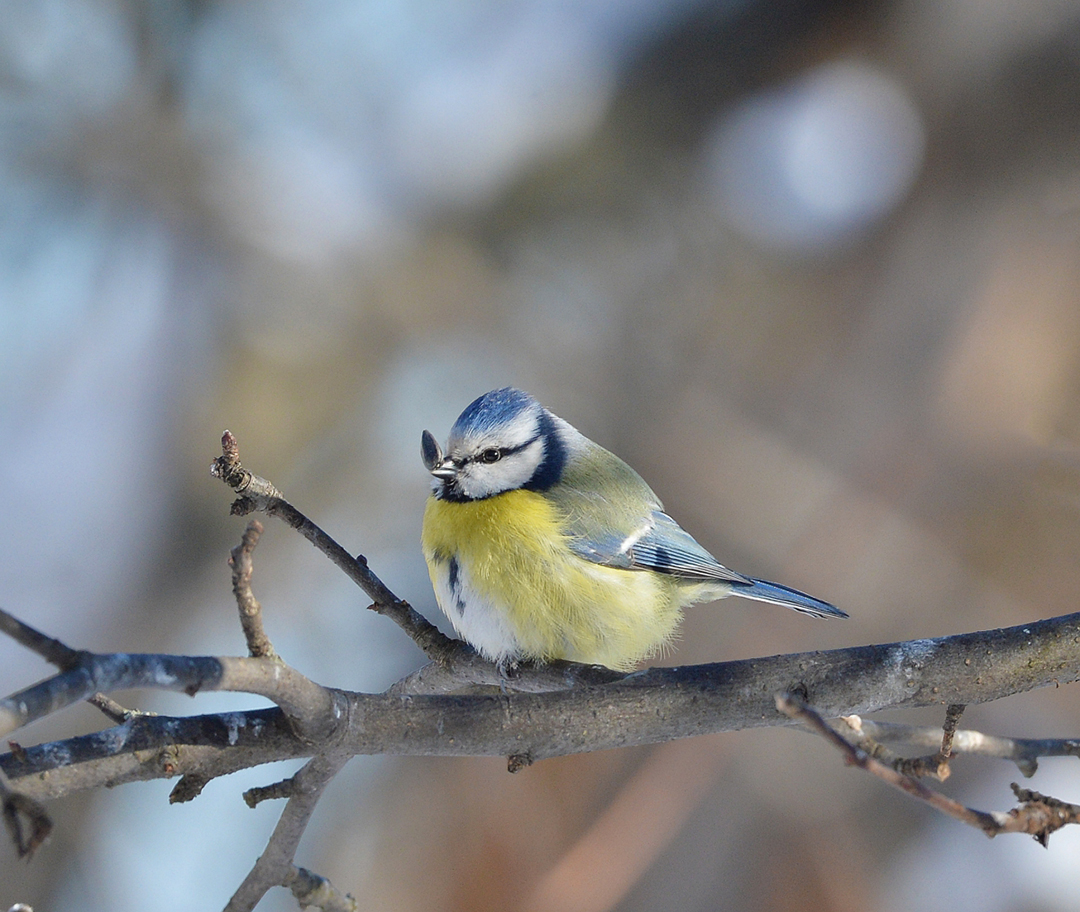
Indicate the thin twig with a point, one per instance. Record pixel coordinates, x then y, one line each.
936 764
16 807
953 712
283 788
113 710
258 643
189 787
258 494
1038 815
51 650
275 866
1024 752
851 729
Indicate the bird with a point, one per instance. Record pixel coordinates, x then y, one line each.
543 545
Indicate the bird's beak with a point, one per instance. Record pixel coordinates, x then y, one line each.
434 461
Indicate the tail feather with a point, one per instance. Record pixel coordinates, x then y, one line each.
764 591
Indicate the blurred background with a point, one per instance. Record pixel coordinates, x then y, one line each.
813 268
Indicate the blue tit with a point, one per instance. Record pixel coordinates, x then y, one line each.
543 545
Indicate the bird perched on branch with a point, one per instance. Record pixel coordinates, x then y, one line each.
543 545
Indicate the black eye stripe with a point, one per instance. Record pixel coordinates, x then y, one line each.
503 451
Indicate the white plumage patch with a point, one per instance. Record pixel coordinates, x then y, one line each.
475 618
478 479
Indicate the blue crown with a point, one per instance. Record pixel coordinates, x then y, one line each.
492 410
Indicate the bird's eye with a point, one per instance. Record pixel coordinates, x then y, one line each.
491 455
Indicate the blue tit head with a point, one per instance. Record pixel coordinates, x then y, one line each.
503 441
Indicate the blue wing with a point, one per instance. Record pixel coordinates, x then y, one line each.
658 543
764 591
631 531
612 517
666 547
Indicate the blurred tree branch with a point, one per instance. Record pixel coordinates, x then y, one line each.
460 704
1037 815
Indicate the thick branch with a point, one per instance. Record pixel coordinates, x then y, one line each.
154 747
309 706
660 704
666 703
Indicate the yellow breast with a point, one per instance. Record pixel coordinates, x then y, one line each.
511 557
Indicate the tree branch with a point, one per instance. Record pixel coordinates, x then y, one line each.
275 867
307 705
936 764
16 807
1037 815
656 705
461 704
259 645
257 493
1024 752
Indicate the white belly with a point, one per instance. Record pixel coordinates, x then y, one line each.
476 618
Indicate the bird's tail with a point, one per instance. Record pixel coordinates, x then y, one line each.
765 591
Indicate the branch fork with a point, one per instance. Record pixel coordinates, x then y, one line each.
1037 815
460 704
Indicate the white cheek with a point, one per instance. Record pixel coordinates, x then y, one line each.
476 619
480 479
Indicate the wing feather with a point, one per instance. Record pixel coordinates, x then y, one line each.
668 548
630 531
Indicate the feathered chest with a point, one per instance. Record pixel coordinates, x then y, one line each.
505 530
511 585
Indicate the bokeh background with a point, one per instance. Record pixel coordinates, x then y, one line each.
812 267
